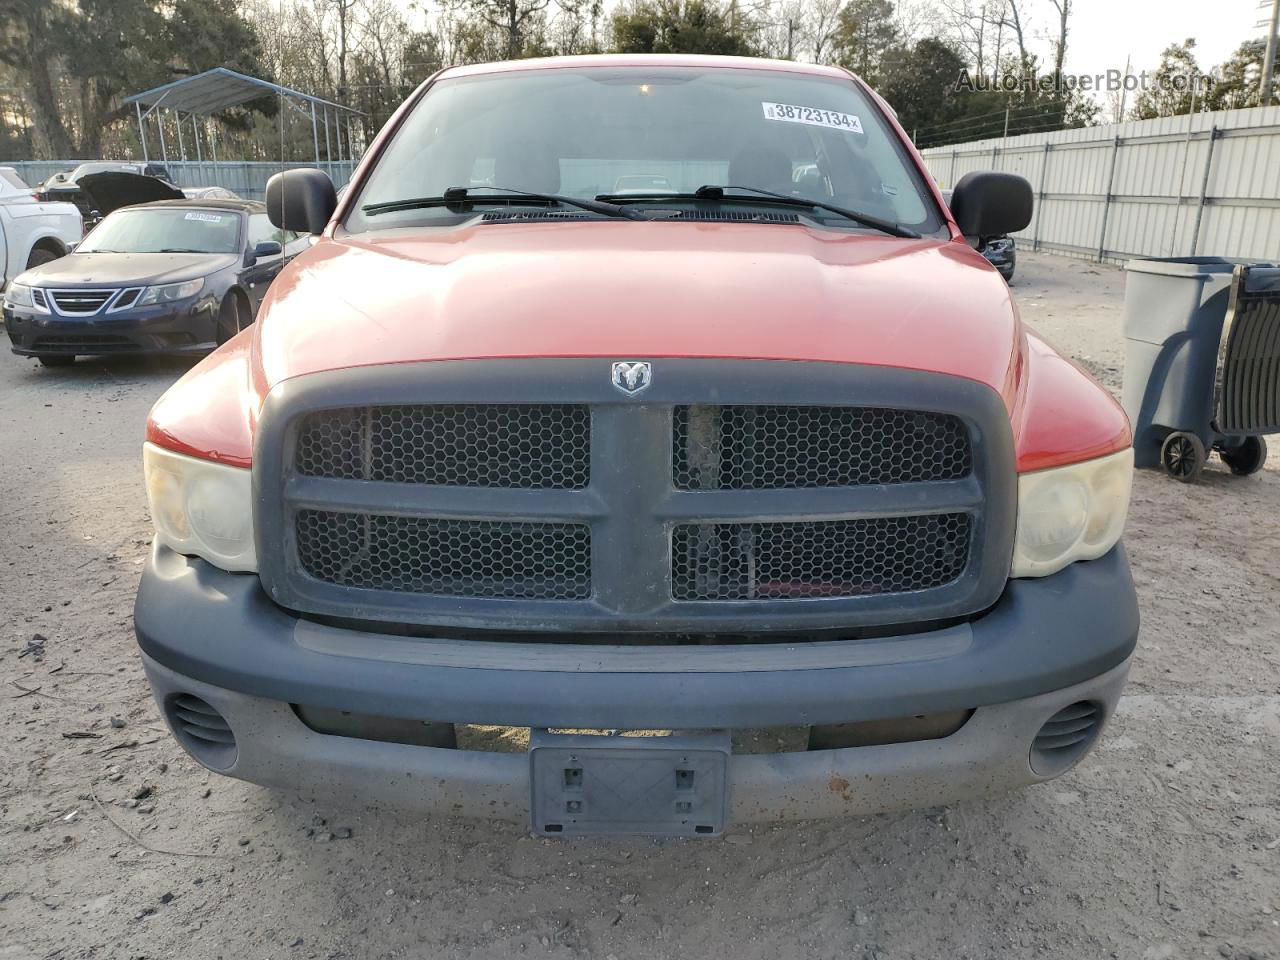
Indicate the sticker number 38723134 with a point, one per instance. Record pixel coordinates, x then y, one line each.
791 113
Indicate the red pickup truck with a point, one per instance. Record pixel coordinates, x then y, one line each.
734 493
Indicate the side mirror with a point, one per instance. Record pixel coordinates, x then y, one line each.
267 248
988 204
301 200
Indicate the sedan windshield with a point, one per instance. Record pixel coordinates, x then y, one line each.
626 133
174 230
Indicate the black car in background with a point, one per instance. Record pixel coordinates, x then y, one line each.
999 250
176 276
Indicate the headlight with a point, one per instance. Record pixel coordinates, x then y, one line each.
201 508
170 292
1071 513
21 295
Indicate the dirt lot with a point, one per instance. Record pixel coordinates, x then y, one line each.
1166 843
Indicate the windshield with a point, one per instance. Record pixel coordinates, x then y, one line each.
631 131
165 231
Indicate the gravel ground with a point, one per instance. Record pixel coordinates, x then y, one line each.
1166 843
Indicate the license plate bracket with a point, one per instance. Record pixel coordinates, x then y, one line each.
585 785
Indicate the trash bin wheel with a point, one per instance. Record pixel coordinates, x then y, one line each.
1247 458
1183 455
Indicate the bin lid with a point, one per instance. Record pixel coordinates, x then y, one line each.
1264 278
1183 266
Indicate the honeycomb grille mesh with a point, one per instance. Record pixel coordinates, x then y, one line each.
471 558
527 446
823 559
793 447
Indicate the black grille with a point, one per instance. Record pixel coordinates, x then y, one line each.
472 558
533 446
781 447
80 302
531 496
836 558
82 344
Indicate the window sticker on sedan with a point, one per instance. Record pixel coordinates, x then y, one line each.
204 217
814 116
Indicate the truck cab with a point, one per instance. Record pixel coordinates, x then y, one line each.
32 231
755 442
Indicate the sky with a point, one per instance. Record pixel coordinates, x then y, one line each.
1104 32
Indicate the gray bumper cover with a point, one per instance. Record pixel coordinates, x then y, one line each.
1047 644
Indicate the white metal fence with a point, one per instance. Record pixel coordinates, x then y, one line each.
1207 184
245 179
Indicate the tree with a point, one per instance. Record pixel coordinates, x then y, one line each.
680 26
966 23
865 33
1063 7
27 43
511 17
1011 16
781 29
81 58
824 22
1176 86
1238 81
919 82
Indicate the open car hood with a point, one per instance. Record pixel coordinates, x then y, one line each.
111 191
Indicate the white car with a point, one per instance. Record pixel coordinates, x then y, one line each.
32 232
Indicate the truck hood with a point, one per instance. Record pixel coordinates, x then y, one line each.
127 269
638 290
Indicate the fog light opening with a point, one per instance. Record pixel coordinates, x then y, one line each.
202 730
1065 738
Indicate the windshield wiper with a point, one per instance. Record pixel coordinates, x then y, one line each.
465 195
180 250
893 229
718 193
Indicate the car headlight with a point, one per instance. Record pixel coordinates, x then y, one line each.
1071 513
169 292
21 295
201 508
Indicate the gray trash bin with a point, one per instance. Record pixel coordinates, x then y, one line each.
1175 310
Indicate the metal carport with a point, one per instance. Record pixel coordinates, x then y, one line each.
206 93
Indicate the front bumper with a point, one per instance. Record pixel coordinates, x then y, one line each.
1047 644
184 327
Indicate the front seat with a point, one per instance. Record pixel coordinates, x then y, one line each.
761 165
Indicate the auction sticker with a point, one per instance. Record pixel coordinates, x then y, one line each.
814 116
204 217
